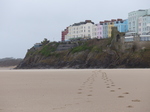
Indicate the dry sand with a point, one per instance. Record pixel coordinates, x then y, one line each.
100 90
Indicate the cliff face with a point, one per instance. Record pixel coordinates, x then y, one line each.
87 54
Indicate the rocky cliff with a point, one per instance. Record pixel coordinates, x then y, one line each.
92 53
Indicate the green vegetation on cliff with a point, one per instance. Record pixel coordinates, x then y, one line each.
48 49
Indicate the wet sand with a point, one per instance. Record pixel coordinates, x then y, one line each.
99 90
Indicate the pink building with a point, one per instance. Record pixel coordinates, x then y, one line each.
100 30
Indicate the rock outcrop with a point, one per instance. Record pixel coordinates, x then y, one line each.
92 53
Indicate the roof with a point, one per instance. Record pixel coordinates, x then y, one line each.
81 23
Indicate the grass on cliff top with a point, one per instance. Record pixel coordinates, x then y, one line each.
48 49
81 48
93 45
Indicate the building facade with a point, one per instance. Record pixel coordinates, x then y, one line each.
63 34
94 31
122 25
144 25
82 29
105 29
110 25
133 20
100 30
88 29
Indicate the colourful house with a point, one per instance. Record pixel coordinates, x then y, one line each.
100 30
122 25
63 34
105 29
110 25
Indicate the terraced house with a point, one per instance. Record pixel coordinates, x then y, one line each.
122 25
88 29
82 29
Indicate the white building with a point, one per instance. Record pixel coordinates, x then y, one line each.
94 31
144 24
133 18
82 29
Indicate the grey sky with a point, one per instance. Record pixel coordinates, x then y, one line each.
26 22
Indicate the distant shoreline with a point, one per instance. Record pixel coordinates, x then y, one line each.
7 68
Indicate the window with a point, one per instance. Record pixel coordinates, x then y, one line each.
128 39
88 30
145 38
139 29
88 27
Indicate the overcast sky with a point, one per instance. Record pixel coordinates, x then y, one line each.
26 22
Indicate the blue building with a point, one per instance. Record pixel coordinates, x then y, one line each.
122 25
105 28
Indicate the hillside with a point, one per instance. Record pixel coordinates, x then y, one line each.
92 53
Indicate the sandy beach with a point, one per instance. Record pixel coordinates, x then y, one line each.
68 90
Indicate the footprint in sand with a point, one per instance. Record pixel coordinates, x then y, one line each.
130 106
112 90
120 96
126 93
79 92
108 87
112 85
68 104
136 100
80 89
89 95
58 108
119 88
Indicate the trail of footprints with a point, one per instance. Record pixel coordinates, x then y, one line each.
84 92
109 84
87 85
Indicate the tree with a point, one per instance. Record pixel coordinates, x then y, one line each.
45 41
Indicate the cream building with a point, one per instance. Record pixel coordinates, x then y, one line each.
82 29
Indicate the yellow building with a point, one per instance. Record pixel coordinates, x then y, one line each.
110 25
